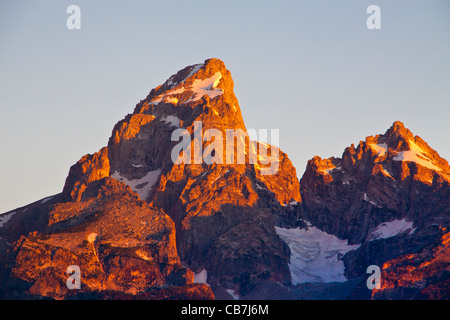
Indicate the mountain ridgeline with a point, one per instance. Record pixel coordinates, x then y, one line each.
140 225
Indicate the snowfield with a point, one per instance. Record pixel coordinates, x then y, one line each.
316 256
391 229
417 155
141 186
201 277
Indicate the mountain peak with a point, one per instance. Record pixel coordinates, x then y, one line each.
397 132
194 85
394 155
200 71
410 147
398 125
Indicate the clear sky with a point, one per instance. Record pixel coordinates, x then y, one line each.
309 68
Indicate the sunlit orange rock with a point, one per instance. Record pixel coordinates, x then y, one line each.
119 242
423 275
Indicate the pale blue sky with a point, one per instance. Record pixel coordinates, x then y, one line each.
310 68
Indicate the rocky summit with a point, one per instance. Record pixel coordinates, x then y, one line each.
141 224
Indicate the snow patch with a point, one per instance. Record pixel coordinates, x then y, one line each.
316 256
4 218
167 97
328 170
232 293
201 175
172 120
391 229
206 87
217 178
171 83
193 71
201 277
366 198
417 155
141 186
199 88
91 238
380 149
137 165
46 199
258 186
142 255
290 203
386 173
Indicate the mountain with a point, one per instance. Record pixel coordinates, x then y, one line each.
184 203
391 176
389 197
148 213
